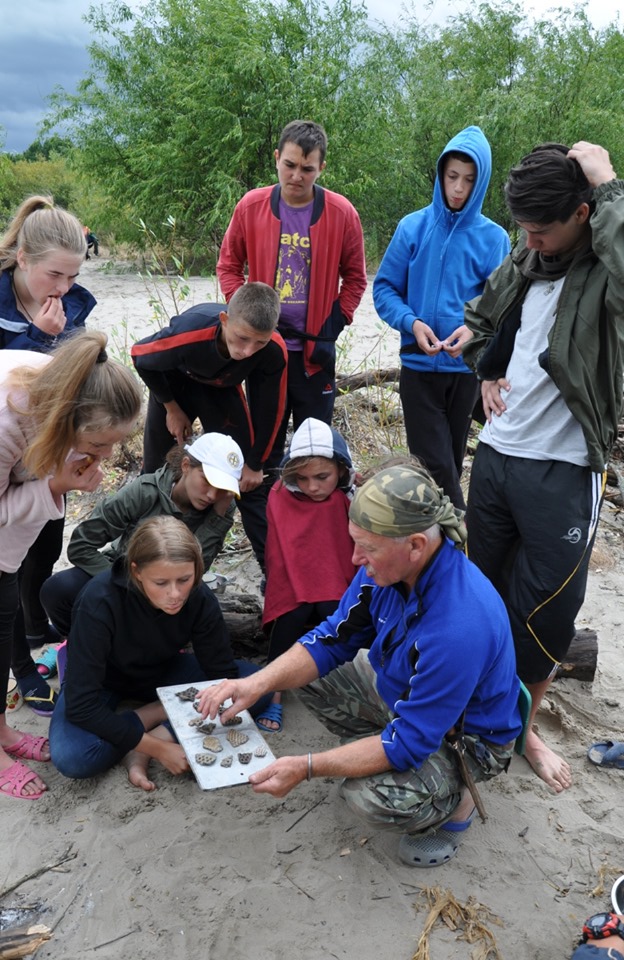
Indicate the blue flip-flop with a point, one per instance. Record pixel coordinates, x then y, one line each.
607 753
273 713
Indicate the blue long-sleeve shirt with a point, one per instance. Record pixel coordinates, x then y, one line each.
443 649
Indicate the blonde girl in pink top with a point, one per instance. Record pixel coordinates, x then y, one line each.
60 416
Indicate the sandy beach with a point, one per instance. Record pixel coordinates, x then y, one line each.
228 875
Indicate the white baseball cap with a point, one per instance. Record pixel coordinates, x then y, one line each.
221 458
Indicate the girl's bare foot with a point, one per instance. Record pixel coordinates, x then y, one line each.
136 764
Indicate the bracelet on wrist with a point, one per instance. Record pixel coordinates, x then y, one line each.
309 774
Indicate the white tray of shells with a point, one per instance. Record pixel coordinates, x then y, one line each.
220 755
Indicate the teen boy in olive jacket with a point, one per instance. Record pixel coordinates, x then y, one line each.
548 342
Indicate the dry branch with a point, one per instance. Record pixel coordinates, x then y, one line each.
22 941
367 378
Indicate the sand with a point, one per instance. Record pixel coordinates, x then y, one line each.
228 875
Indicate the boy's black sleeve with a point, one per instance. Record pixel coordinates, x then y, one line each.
185 345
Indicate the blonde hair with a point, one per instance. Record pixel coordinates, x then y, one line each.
39 229
163 538
80 390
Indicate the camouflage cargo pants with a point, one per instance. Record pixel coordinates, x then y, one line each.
347 703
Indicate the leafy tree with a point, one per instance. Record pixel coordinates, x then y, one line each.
48 177
182 107
46 148
184 103
8 189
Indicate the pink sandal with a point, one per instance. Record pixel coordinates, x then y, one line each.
16 777
29 748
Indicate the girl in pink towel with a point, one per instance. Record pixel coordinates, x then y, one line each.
308 548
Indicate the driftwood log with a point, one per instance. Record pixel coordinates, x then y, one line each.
582 657
242 613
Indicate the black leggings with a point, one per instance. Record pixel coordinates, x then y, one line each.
292 625
8 608
36 567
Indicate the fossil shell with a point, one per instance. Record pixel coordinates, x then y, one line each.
227 761
212 743
195 721
233 722
237 738
244 757
260 751
196 705
205 759
207 726
189 694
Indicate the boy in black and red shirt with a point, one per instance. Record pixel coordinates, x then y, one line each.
196 368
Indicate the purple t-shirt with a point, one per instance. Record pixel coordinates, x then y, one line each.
292 279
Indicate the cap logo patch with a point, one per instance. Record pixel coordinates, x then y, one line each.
234 460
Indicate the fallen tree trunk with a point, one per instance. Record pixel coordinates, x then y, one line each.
242 613
582 657
355 381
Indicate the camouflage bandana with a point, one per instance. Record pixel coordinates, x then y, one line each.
399 501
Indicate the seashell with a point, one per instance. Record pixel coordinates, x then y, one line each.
212 743
233 722
196 705
244 757
195 721
260 751
237 738
206 726
227 761
189 694
205 759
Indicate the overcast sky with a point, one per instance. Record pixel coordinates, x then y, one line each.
43 44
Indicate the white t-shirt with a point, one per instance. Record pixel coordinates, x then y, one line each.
537 423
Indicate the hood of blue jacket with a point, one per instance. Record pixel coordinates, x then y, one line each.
471 141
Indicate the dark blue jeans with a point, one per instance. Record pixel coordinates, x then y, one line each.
78 754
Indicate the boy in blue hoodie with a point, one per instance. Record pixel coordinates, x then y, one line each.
438 258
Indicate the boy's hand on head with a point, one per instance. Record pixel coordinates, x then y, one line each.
250 479
426 338
594 162
454 343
